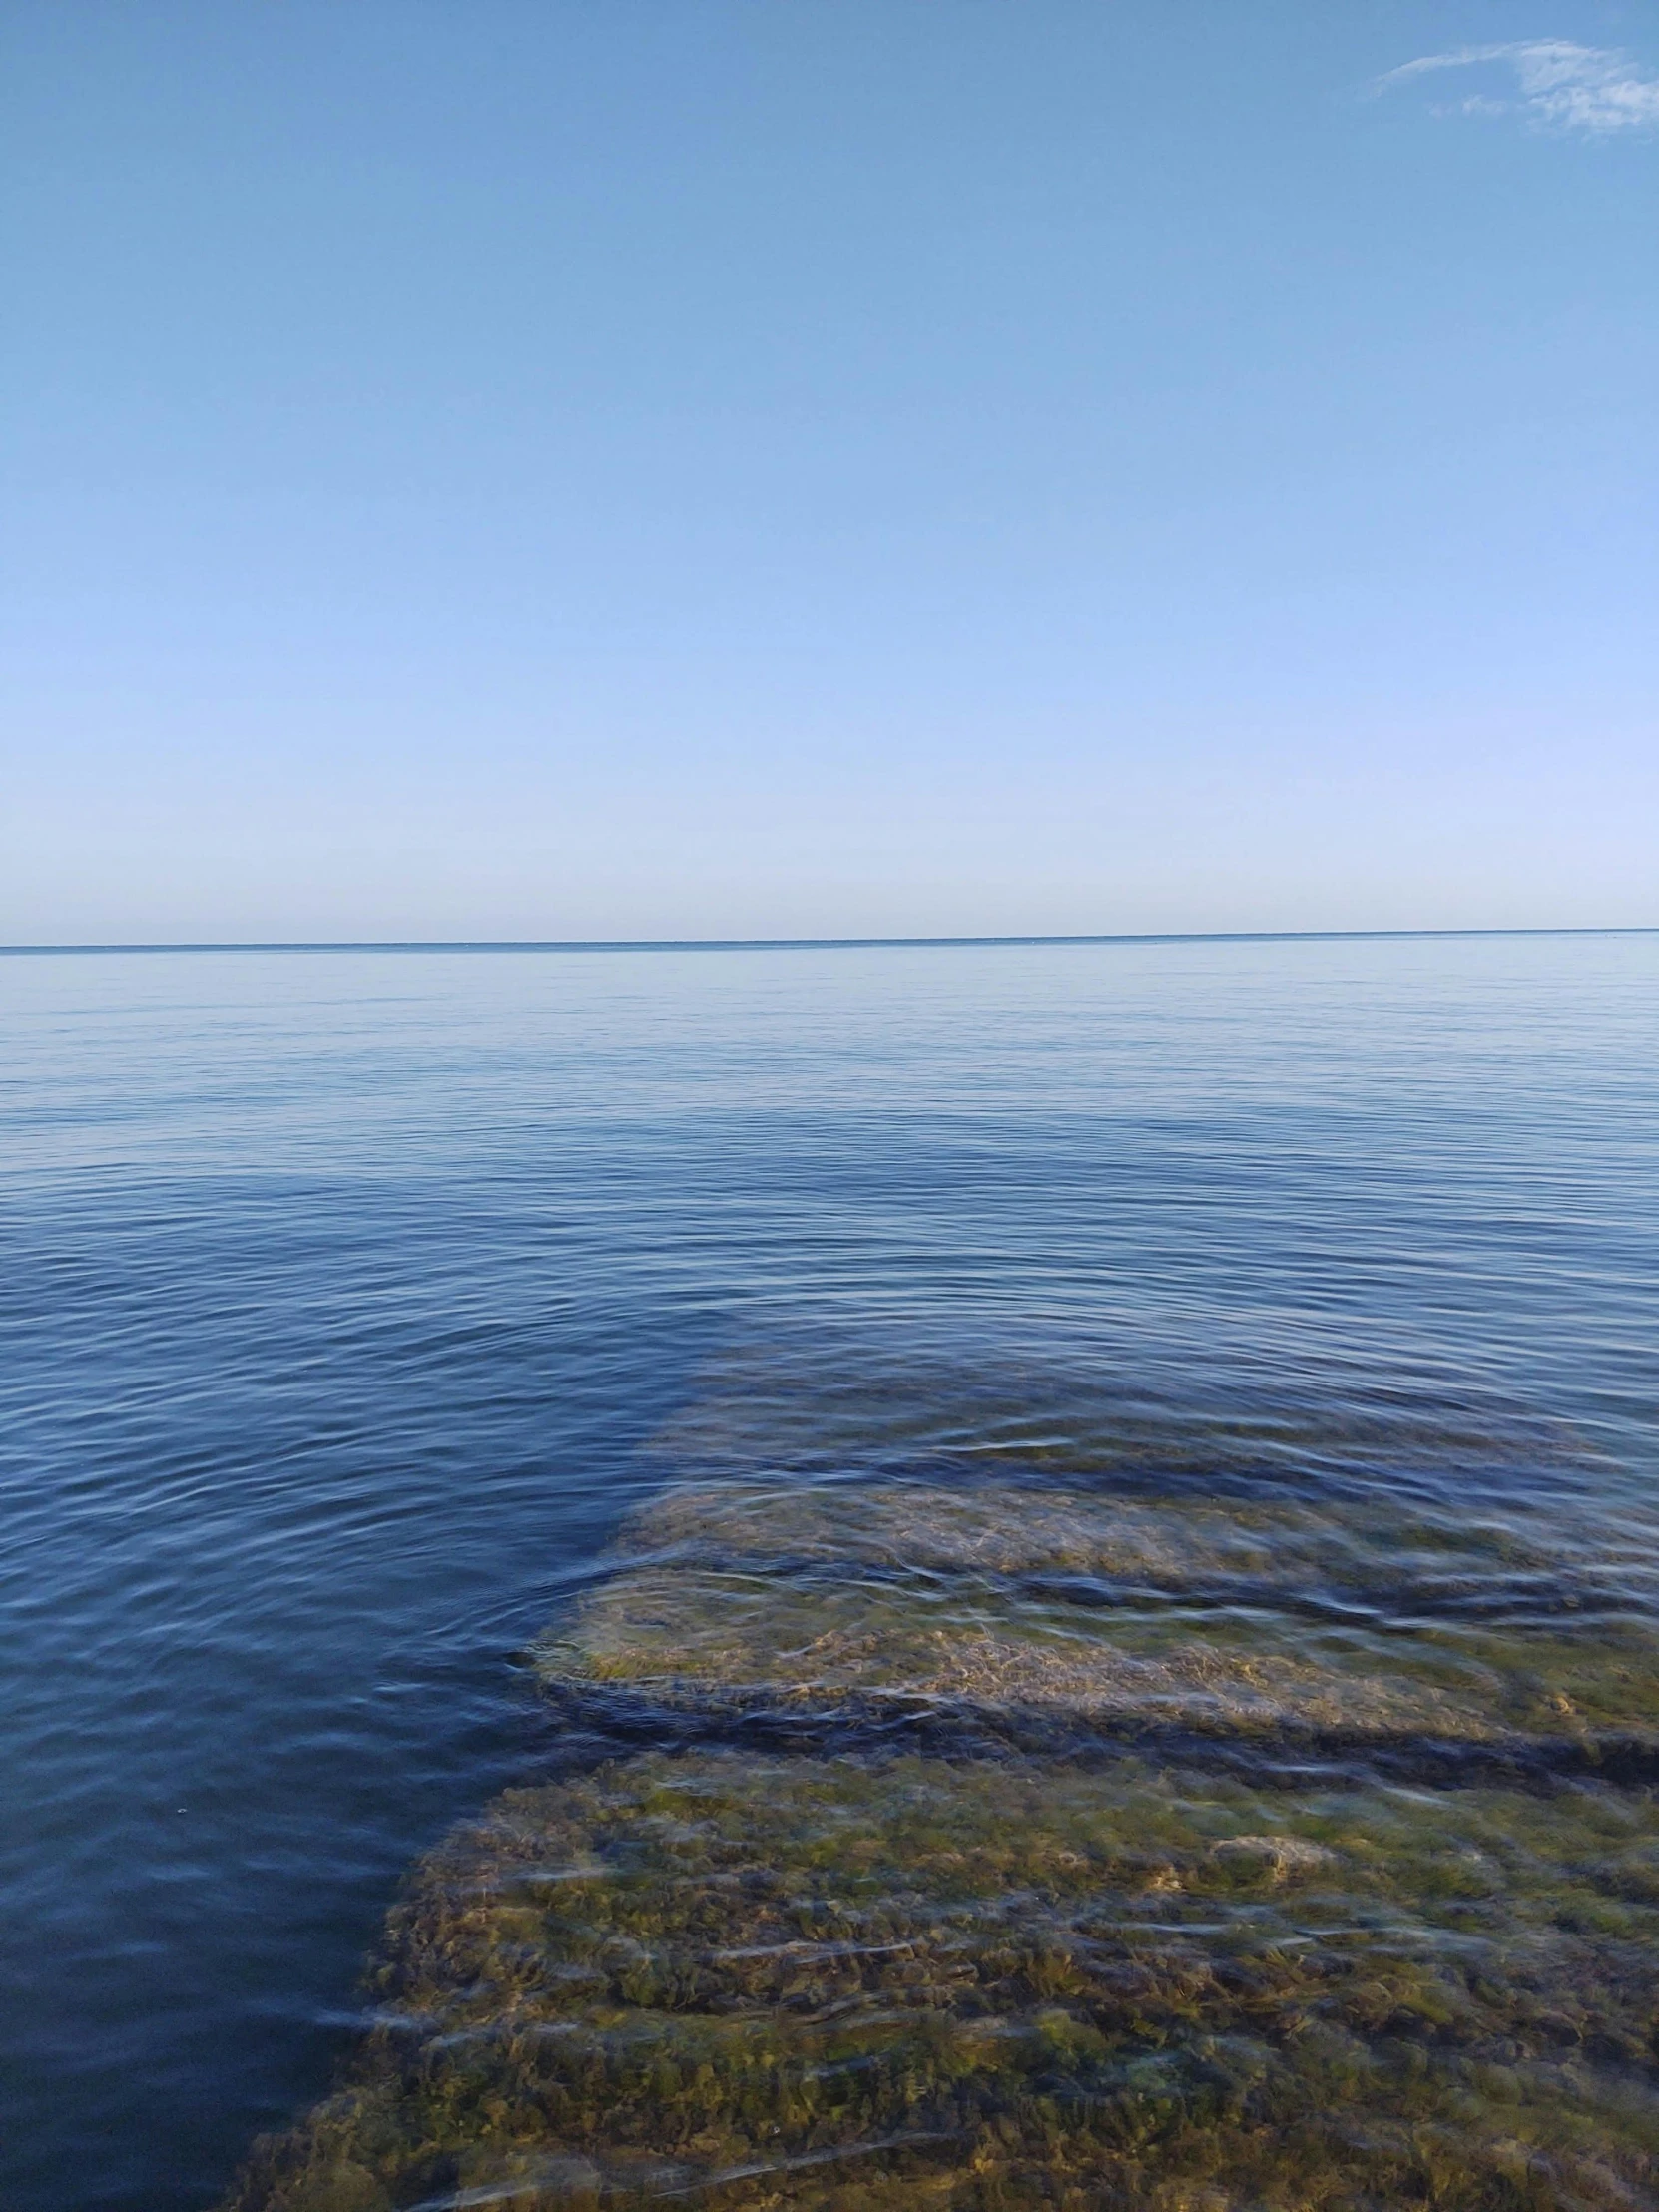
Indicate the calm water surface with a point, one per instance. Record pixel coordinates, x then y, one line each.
351 1301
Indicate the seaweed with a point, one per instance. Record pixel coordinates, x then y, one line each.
1388 1557
915 1598
846 1975
778 1982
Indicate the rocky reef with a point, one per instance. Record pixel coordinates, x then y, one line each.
992 1847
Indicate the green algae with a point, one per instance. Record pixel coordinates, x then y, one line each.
1397 1549
733 1643
738 1601
853 1979
817 1982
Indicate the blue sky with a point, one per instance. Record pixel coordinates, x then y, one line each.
512 468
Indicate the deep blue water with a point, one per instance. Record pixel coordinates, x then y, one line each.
348 1300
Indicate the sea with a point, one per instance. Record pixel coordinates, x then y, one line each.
353 1300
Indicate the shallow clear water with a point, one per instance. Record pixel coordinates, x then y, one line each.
351 1301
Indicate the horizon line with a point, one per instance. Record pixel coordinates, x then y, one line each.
812 944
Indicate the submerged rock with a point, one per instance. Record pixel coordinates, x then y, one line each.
1377 1548
857 1978
821 1983
886 1602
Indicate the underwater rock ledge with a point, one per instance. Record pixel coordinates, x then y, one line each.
902 1609
1003 1984
855 1972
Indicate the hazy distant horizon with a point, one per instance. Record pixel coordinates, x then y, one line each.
818 945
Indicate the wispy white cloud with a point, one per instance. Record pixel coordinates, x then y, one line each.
1558 83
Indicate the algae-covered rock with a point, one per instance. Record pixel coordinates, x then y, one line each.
1218 1958
812 1982
1136 1415
1046 1617
1392 1548
727 1643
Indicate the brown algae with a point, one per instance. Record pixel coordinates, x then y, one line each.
831 1981
737 1602
1039 1529
859 1978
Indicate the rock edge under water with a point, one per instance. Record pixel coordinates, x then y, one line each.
875 1965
